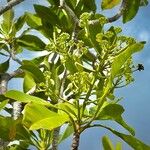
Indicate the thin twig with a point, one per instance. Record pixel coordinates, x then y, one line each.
9 5
119 13
16 73
115 17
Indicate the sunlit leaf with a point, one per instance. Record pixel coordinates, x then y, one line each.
34 119
33 20
131 140
70 108
107 144
31 42
7 20
25 98
122 57
3 104
119 146
29 82
108 4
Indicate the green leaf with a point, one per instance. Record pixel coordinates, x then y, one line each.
34 119
119 146
4 66
70 64
33 20
7 20
31 42
123 57
93 30
36 73
91 5
131 10
114 112
70 108
108 4
3 104
68 131
46 14
13 129
38 60
111 111
107 144
131 140
54 2
22 97
20 22
7 128
29 82
2 98
125 125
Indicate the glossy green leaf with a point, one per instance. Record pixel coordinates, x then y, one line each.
93 30
131 10
20 22
25 98
36 73
46 14
2 98
130 140
90 5
38 60
33 20
29 82
122 57
7 128
114 112
7 20
13 129
31 42
107 144
70 64
3 104
4 66
108 4
34 119
125 125
68 131
54 2
119 146
70 108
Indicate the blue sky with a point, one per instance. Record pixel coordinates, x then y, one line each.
136 96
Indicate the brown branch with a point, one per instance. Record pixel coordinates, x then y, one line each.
115 17
119 13
4 78
75 142
9 5
15 58
16 73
